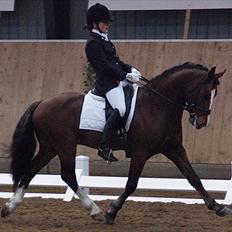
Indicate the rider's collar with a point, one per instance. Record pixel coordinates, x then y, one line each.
104 35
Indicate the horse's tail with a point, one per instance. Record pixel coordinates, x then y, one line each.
23 144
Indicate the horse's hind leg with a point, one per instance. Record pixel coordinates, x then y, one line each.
67 160
179 157
38 162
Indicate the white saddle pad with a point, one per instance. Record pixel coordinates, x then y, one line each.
93 112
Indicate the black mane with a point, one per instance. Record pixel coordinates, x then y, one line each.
180 67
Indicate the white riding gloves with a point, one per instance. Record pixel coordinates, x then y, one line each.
136 71
133 77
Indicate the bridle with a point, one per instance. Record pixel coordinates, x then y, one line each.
190 107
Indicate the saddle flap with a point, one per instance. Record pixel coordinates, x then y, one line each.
93 113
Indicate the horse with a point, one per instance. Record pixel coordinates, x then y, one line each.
156 127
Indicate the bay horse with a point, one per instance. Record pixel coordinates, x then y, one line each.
155 128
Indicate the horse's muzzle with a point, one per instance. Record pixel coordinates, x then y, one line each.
199 126
197 122
201 122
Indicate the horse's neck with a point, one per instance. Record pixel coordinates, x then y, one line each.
174 87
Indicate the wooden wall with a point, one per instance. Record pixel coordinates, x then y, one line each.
31 71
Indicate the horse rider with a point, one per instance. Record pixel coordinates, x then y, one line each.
110 70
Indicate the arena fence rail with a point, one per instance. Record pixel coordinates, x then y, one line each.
108 182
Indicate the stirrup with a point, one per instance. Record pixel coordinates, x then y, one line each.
107 155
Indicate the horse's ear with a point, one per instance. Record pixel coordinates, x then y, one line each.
218 75
211 72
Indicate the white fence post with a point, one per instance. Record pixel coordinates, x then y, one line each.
82 162
81 168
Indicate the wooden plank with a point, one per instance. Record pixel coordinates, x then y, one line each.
36 70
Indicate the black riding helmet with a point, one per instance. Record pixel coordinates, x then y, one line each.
97 13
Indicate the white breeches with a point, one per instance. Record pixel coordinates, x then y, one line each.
116 98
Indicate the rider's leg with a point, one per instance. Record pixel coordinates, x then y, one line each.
116 99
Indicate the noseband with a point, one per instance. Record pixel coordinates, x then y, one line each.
191 108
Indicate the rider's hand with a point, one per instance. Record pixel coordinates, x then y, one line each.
133 77
136 71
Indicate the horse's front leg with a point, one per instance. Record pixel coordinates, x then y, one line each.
179 157
136 167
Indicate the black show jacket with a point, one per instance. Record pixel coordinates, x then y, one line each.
109 69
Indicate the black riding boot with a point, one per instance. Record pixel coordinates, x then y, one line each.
110 129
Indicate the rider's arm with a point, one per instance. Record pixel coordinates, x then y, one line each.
124 66
98 60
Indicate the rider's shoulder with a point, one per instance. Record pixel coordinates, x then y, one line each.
93 42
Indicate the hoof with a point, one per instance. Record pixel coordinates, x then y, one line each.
107 219
224 211
97 214
97 218
5 211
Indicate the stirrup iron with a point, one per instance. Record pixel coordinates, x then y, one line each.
107 155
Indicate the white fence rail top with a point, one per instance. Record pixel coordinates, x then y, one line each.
152 183
120 5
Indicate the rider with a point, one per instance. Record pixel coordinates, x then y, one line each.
110 70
